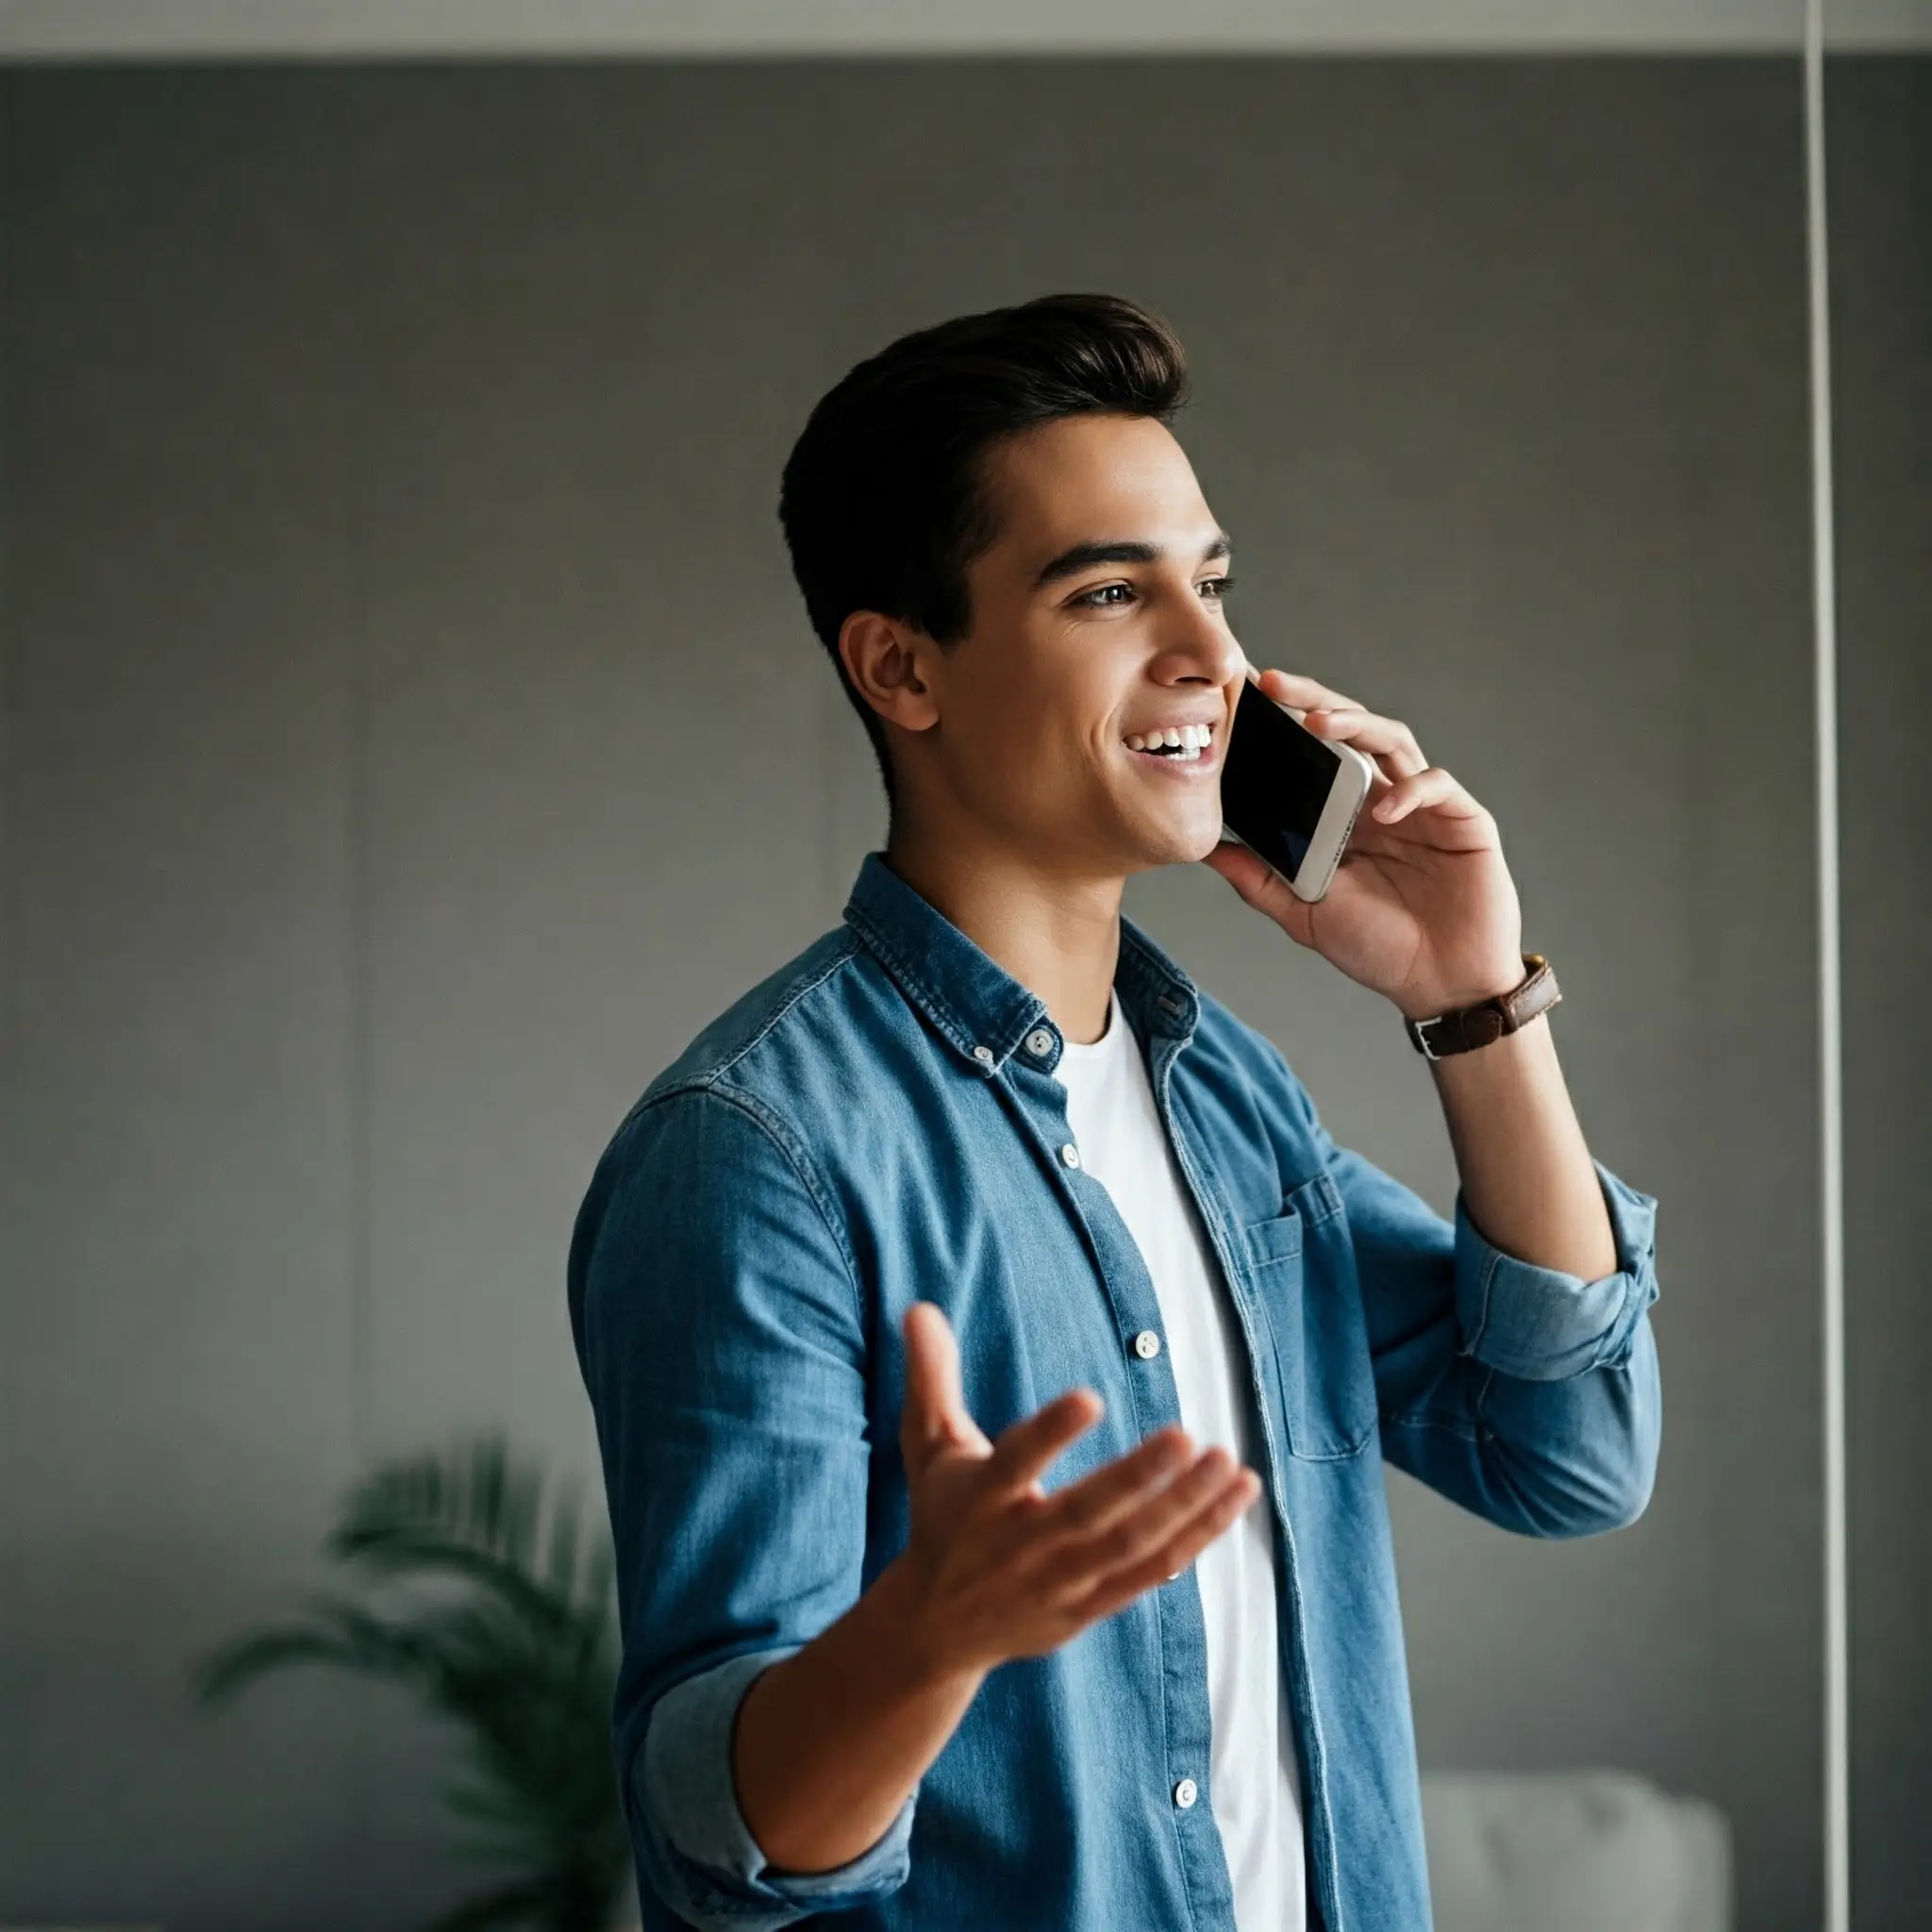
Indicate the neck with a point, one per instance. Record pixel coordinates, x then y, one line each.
1057 933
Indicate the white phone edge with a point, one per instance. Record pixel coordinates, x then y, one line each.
1339 812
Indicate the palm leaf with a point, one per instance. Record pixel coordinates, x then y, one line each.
342 1633
499 1621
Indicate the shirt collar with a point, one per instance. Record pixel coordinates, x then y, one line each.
978 1007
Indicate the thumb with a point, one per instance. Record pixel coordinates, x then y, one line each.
1244 869
1264 889
935 1410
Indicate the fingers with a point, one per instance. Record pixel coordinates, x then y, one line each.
1098 1501
935 1407
1328 714
1144 1532
1249 874
1171 1552
1431 786
1021 1452
1388 741
1264 889
1412 782
1304 694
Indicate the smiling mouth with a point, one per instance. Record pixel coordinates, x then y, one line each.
1185 744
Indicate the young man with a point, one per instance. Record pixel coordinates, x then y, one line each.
993 1357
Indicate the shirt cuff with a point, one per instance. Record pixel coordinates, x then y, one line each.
687 1792
1542 1325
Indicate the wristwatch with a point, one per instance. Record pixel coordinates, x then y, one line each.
1469 1027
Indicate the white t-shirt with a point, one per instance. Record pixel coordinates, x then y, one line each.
1253 1774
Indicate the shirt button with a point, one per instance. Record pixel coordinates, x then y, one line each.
982 1054
1039 1043
1186 1793
1071 1154
1146 1345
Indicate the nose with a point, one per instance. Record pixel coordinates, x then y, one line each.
1203 651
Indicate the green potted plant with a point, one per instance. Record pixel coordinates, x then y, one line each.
486 1596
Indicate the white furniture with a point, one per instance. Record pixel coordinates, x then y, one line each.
1580 1851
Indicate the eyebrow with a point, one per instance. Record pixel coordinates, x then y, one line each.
1079 557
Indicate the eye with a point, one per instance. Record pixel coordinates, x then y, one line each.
1101 598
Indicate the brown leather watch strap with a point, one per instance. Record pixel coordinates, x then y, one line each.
1469 1027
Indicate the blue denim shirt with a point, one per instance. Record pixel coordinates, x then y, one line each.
876 1122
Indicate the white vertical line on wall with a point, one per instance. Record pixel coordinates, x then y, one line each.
354 483
357 340
11 1447
360 1072
1830 1006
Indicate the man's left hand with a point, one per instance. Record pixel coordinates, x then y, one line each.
1422 907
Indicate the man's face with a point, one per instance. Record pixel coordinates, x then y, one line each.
1097 623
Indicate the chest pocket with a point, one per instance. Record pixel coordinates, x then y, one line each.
1301 1269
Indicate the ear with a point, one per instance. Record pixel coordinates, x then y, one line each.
887 662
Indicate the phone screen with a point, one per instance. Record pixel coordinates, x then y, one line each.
1274 779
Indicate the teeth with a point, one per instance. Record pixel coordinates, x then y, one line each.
1187 741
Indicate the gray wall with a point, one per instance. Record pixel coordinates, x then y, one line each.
1881 189
411 735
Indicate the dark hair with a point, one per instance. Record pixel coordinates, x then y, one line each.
882 500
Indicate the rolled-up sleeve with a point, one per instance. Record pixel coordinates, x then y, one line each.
717 1320
1525 1394
687 1789
1542 1325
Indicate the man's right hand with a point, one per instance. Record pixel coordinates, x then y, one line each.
830 1741
995 1567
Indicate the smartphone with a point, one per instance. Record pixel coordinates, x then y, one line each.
1288 794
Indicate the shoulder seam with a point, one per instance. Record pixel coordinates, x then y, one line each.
693 1083
848 945
777 1130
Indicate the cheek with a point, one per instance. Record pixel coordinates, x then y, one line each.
1046 771
1032 721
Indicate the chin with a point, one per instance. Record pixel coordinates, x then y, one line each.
1181 841
1207 837
1195 834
